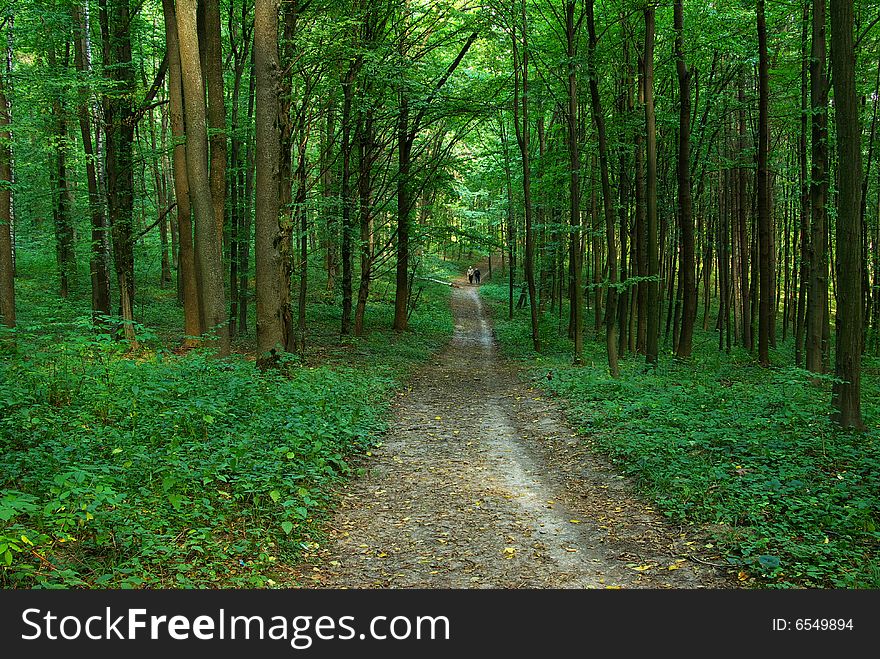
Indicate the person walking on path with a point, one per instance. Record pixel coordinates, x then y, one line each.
476 276
470 274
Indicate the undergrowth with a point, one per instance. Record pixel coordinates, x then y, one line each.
748 453
153 469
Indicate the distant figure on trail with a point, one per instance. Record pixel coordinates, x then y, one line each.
476 275
471 274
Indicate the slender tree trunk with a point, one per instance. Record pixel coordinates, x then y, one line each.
64 231
625 108
7 268
329 193
743 221
364 141
817 295
523 131
244 249
119 128
574 196
764 265
653 320
404 205
641 231
804 261
685 210
302 218
186 251
216 111
98 266
269 293
347 222
607 202
208 243
846 392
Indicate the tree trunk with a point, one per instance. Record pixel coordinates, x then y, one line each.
764 238
685 210
216 111
119 129
364 141
186 252
98 266
244 249
607 202
804 269
7 269
404 162
817 295
574 192
61 206
523 132
641 231
208 244
269 293
846 396
653 320
347 222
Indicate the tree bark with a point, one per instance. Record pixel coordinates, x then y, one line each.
653 320
7 269
685 206
216 111
208 242
764 238
817 295
64 231
574 192
269 293
523 134
607 203
186 252
846 392
119 131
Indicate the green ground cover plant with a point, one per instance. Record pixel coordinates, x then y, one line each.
716 440
123 469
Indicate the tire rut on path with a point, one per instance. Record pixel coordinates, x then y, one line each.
480 483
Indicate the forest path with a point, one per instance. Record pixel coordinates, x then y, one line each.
480 483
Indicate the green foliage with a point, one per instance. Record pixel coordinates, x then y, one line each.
748 452
151 469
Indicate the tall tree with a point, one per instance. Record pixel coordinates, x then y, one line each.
574 192
523 138
98 265
269 294
61 201
7 268
607 201
119 124
213 71
409 124
685 205
186 252
817 294
846 392
764 238
212 296
652 347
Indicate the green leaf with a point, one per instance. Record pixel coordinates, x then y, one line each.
287 527
275 495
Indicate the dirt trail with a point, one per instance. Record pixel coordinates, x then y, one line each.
479 483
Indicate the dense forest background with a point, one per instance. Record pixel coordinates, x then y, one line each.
676 206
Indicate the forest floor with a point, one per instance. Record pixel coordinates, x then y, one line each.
480 483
